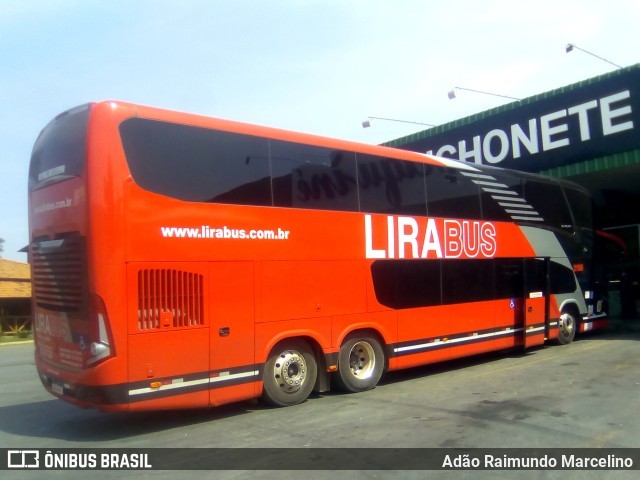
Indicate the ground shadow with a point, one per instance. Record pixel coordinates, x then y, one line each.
55 419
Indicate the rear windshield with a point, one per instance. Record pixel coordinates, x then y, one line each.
59 151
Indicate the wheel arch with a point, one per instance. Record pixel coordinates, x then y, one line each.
571 305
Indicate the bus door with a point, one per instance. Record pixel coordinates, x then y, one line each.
536 301
231 294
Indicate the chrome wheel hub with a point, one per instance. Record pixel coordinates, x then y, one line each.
290 371
362 360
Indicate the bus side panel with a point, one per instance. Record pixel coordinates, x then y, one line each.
232 307
268 334
473 328
175 402
422 334
509 315
168 342
299 299
303 289
385 323
176 360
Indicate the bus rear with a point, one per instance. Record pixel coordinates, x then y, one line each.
71 328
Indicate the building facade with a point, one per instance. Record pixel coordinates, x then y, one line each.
589 133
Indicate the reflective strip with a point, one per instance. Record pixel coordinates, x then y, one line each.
530 219
516 205
178 383
472 337
482 183
233 376
169 386
535 329
478 175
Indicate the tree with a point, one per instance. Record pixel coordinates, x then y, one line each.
1 242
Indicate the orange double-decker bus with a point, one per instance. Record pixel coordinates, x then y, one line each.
183 261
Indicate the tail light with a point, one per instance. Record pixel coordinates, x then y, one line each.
101 347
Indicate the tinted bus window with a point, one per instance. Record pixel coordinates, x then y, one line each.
548 200
580 204
391 186
562 279
501 197
451 194
197 164
467 281
60 150
535 271
509 278
306 176
403 284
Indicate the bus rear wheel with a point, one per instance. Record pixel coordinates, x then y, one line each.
360 364
567 327
289 374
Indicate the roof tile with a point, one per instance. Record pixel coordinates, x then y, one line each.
15 279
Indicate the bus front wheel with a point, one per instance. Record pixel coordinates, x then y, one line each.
360 364
289 374
567 327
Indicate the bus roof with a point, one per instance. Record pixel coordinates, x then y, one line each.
280 134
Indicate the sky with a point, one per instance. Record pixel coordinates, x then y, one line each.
315 66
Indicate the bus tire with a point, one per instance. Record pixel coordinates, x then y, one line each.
360 364
289 374
567 327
